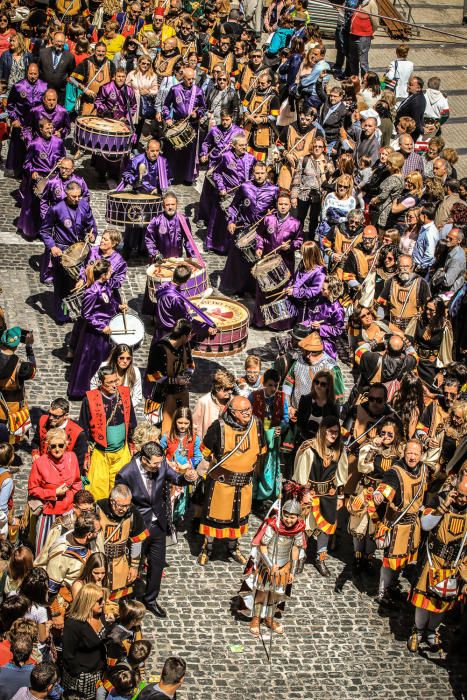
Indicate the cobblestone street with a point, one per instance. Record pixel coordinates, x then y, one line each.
337 645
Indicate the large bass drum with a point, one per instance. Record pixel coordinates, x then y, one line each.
156 274
232 320
105 137
127 328
131 208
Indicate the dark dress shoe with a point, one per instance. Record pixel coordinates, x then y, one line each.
322 568
156 609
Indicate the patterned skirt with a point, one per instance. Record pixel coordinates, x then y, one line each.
85 684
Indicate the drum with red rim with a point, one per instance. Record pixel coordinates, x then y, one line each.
232 320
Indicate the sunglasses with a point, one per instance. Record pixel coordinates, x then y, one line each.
318 383
314 352
375 399
55 445
54 415
243 411
386 432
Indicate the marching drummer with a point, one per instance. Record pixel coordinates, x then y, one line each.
48 109
111 239
66 222
43 153
282 233
146 173
184 103
55 188
169 234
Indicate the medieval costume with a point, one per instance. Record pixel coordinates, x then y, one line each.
185 451
171 305
58 116
263 103
433 346
109 421
91 74
331 318
228 487
402 300
297 145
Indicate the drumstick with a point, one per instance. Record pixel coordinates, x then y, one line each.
279 295
279 247
122 294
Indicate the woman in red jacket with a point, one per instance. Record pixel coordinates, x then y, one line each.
54 480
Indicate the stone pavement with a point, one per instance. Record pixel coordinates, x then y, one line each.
337 645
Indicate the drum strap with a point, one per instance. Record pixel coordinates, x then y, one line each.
187 232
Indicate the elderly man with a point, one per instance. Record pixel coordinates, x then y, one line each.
148 476
261 111
184 102
24 95
403 295
441 169
66 222
234 444
48 109
55 189
90 75
413 160
363 140
450 278
402 489
443 212
388 366
414 105
123 532
56 65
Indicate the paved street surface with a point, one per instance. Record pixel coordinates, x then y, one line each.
337 645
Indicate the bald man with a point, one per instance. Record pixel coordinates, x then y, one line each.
234 444
184 101
48 109
403 295
56 65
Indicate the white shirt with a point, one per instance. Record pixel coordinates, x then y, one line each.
402 74
147 481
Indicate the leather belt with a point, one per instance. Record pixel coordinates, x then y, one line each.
225 476
113 551
448 552
408 519
427 354
323 488
366 480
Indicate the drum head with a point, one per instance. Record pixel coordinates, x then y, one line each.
226 314
126 328
100 125
133 197
74 254
245 239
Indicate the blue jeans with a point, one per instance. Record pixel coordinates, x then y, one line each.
359 48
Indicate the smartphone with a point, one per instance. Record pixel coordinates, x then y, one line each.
23 336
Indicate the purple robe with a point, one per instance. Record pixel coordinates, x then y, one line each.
250 204
332 316
156 176
119 266
230 172
100 304
165 236
116 103
215 144
62 226
55 191
22 98
178 105
59 117
41 156
306 287
170 307
273 232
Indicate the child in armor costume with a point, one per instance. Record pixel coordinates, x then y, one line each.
277 550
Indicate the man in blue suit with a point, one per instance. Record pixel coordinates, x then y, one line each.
148 476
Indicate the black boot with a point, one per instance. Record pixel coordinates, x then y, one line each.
321 566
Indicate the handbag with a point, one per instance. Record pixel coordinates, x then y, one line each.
18 422
383 534
444 583
35 506
147 108
392 84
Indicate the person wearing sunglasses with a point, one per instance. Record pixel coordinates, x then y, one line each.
222 96
58 416
435 416
318 404
54 479
374 459
236 438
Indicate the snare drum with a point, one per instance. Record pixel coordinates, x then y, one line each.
127 328
71 304
106 137
275 311
180 135
131 208
232 320
163 272
246 243
271 273
73 258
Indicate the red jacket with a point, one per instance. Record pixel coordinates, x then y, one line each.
46 475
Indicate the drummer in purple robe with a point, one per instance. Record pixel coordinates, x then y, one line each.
146 173
169 234
185 101
233 170
216 143
115 100
252 202
100 304
67 222
42 155
278 229
48 109
24 95
172 306
327 315
54 192
308 281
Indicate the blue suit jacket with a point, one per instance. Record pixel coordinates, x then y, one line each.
153 503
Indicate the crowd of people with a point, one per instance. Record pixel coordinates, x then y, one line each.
333 199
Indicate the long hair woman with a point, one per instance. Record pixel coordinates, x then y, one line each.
321 465
308 280
408 403
317 405
121 360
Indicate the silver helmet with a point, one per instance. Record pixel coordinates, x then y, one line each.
292 506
